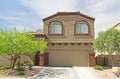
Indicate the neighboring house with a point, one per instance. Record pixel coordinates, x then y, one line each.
69 36
117 26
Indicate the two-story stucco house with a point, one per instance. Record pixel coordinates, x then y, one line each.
69 36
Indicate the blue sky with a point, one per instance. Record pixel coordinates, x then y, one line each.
28 14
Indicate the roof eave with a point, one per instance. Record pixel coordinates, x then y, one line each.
117 24
68 13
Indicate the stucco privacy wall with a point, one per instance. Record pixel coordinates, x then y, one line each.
5 60
69 55
68 22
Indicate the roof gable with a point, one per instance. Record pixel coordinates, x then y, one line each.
68 13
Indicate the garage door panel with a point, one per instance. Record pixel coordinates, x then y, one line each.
68 58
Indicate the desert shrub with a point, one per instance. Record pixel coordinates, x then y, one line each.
1 68
20 69
29 64
98 67
19 63
4 67
20 73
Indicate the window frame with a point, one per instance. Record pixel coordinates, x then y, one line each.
81 34
50 34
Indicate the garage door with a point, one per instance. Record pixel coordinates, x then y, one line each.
68 58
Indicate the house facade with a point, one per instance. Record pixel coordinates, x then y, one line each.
69 36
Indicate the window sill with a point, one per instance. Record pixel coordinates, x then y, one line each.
55 34
81 34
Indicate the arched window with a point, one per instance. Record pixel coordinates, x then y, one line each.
81 28
55 28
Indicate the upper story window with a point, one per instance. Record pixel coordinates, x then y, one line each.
55 28
81 28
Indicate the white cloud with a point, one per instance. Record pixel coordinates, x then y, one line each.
44 8
11 19
20 20
100 9
96 8
101 6
47 7
104 17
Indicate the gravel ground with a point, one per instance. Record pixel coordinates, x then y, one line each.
107 73
11 74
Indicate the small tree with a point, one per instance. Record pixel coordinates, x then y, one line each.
108 42
15 44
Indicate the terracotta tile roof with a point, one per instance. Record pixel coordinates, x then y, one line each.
39 31
68 13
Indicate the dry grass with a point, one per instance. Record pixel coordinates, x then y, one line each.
12 73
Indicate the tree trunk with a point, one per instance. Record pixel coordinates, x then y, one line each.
11 60
15 57
13 64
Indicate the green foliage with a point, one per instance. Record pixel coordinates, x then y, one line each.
108 41
20 69
15 44
20 43
20 73
4 67
1 68
30 64
19 62
98 67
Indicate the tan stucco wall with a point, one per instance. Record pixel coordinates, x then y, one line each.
69 55
65 50
68 26
5 60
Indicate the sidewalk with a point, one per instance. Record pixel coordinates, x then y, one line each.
86 73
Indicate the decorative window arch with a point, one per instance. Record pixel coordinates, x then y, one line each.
81 27
55 27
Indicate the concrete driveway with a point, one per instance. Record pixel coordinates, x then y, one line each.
67 73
